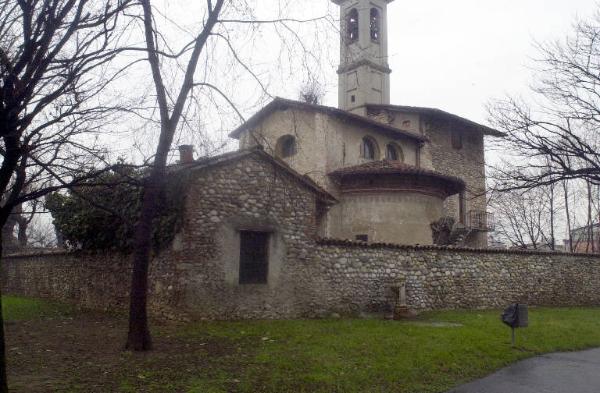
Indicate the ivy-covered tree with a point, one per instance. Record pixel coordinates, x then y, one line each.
101 215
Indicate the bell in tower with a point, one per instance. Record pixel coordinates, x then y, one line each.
364 74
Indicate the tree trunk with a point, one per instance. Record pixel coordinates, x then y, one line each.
3 378
138 338
22 233
23 223
590 236
552 235
566 192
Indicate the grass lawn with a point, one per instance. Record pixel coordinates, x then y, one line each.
18 309
54 348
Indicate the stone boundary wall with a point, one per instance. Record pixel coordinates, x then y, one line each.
99 281
341 276
450 278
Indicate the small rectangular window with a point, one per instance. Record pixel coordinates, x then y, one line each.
457 140
362 238
254 257
462 207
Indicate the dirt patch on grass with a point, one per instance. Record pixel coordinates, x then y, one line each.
84 354
69 351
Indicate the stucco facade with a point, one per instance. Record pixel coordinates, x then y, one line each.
464 157
390 217
324 143
326 140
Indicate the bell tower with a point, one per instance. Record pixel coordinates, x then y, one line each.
364 74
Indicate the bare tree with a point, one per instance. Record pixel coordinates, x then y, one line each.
41 233
552 212
190 67
555 139
312 92
525 219
54 63
14 232
565 187
589 246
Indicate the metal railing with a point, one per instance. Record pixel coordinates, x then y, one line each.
480 221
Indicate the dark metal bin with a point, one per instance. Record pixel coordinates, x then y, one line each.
516 316
523 316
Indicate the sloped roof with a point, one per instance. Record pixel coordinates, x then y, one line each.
282 103
206 162
393 167
440 114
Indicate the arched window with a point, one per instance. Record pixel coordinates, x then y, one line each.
393 152
368 149
286 146
375 24
352 25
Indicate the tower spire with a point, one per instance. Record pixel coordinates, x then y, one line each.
364 73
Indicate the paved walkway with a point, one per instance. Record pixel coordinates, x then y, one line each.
576 372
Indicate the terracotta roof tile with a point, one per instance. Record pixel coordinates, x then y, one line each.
390 167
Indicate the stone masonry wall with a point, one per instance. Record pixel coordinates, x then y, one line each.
199 275
467 163
95 281
361 277
340 276
250 194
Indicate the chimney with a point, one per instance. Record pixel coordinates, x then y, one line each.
186 154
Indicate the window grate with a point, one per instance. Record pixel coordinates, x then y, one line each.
254 257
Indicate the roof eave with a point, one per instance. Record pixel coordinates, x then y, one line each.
227 157
279 102
454 185
455 180
438 112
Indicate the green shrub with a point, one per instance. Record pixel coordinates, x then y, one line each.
102 214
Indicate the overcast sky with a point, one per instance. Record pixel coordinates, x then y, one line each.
452 55
457 55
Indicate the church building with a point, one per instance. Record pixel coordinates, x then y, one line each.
367 209
394 170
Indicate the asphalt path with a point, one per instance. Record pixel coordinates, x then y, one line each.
571 372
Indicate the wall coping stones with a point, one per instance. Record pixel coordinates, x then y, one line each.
418 247
350 243
43 253
61 252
